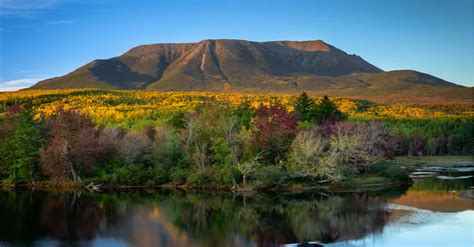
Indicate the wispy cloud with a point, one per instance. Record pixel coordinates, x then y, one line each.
24 8
14 85
61 22
29 71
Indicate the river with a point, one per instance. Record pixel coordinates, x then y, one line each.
428 213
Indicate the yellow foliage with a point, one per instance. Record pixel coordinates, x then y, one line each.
115 107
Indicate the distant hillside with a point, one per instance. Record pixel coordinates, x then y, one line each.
239 65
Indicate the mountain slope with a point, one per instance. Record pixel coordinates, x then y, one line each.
239 65
210 64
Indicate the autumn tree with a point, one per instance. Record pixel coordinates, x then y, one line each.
417 146
273 131
377 139
75 147
306 152
7 129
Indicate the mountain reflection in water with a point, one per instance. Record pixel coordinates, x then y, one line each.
177 218
430 212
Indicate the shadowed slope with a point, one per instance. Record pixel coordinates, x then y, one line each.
239 65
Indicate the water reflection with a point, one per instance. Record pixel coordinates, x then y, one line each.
438 189
177 218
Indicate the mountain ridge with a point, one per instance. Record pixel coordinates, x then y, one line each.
236 65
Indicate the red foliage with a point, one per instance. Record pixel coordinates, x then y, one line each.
7 124
273 131
417 147
13 111
75 146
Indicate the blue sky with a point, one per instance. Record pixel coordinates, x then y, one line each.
45 38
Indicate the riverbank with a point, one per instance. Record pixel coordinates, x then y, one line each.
429 161
360 183
433 160
380 176
364 183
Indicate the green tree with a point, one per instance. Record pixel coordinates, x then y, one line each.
305 107
244 113
327 111
21 150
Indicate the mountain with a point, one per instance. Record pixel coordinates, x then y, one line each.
239 65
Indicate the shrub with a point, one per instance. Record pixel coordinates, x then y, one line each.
199 178
391 171
226 175
180 175
213 176
133 174
269 176
178 119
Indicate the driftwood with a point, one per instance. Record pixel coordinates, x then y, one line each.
92 187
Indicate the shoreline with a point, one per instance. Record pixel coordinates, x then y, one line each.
448 160
292 188
467 194
362 183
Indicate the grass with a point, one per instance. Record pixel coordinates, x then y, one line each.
366 180
365 183
434 160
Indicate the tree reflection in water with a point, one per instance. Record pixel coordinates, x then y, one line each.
70 218
177 218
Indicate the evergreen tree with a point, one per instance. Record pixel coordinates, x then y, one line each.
245 113
305 107
7 128
21 150
327 111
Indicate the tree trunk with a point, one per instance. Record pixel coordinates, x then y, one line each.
74 176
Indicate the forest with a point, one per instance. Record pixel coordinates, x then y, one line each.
237 141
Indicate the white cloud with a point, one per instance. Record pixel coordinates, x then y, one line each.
24 8
8 89
14 85
61 22
28 71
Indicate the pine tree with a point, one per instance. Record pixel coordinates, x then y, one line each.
22 149
327 111
305 107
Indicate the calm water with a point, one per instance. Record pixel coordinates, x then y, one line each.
427 214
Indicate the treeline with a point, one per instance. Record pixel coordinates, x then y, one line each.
135 109
214 145
432 137
218 144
